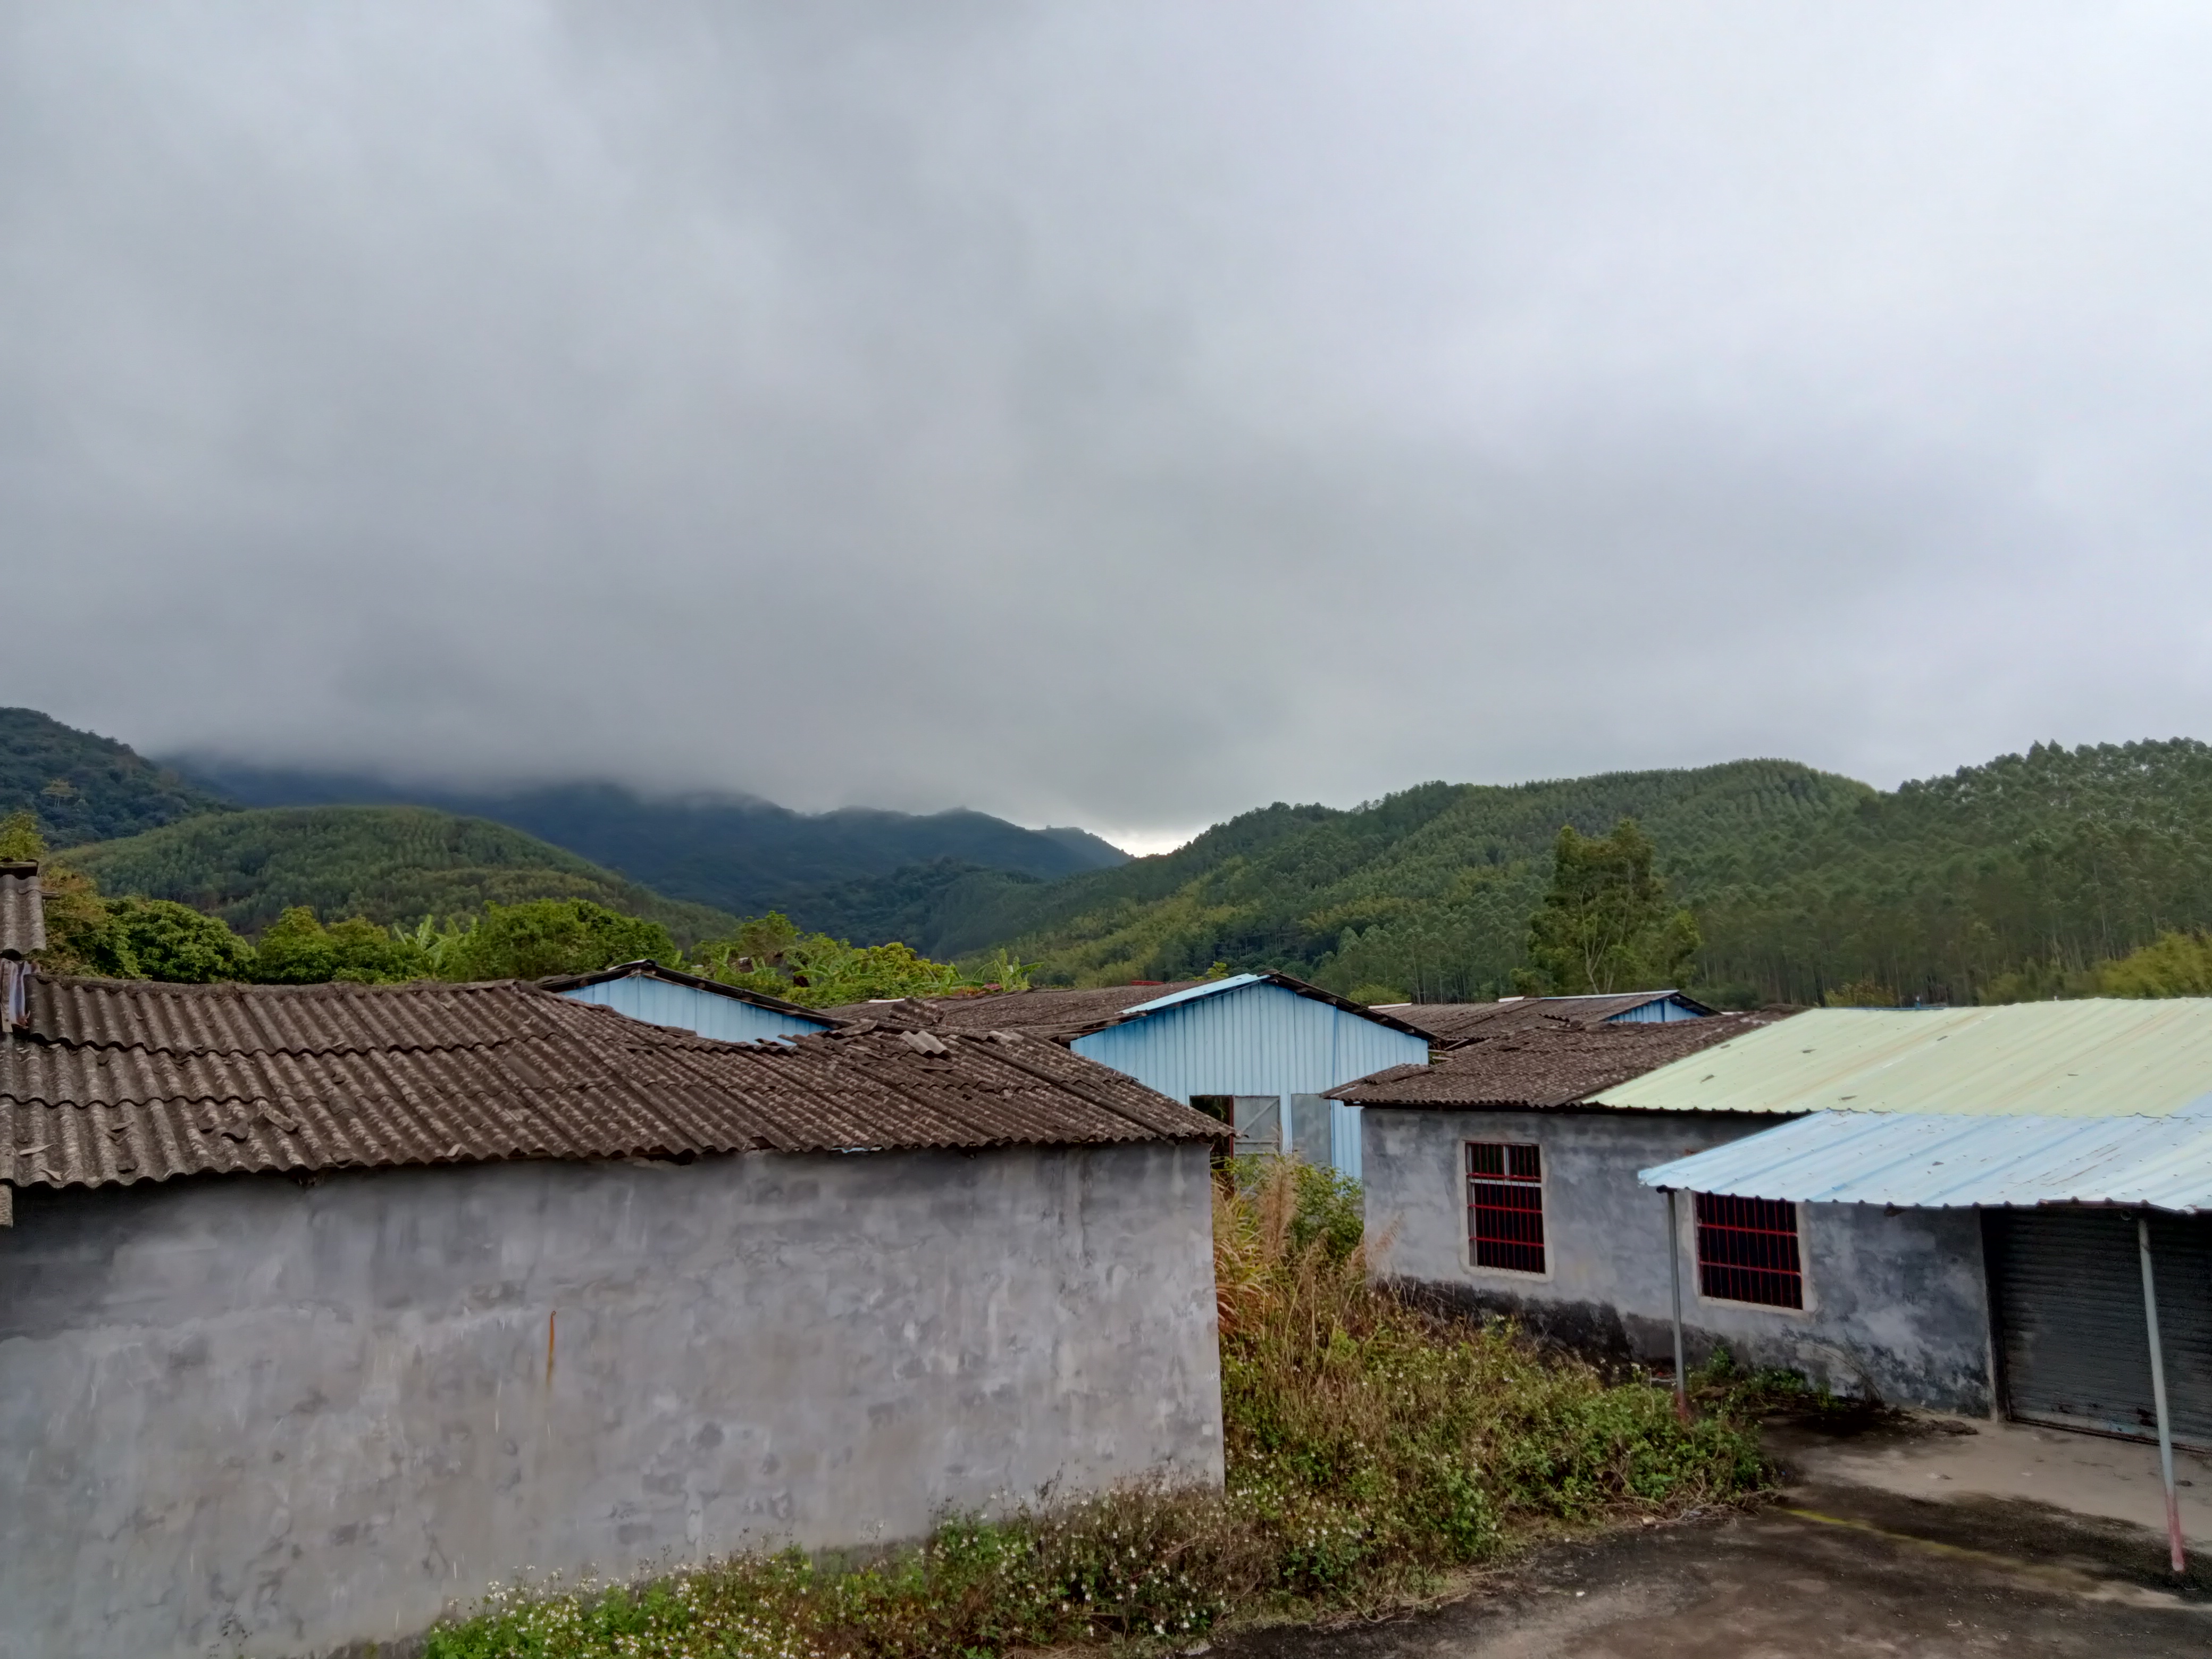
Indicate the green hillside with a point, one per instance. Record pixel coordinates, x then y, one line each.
1992 883
1983 884
387 863
1428 890
83 787
736 854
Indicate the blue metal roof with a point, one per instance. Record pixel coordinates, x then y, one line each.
1919 1160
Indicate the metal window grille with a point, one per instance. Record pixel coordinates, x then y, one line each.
1747 1251
1506 1204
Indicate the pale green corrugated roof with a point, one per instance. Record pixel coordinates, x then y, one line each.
2090 1058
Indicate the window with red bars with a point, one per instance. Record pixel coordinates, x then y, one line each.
1747 1251
1506 1204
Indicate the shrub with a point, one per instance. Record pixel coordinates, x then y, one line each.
551 936
163 940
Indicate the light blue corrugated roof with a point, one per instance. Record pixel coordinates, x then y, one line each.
1212 987
1925 1160
2093 1059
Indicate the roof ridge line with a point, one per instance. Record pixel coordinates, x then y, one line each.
1061 1083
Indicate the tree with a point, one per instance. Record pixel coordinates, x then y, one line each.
297 950
1606 924
553 936
2171 965
20 839
769 954
81 935
163 940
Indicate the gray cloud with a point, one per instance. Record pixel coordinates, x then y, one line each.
1118 414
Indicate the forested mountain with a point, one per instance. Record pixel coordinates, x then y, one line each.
1988 883
83 787
734 853
391 864
2001 880
1428 891
1991 883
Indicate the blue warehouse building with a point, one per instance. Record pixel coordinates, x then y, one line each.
663 996
1258 1051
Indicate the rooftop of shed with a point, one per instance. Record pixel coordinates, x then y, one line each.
1546 1064
121 1081
1051 1013
2094 1058
1457 1022
1065 1015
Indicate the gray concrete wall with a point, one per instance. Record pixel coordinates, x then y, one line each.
246 1415
1899 1302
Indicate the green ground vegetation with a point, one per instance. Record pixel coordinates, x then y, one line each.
1372 1450
772 954
2174 964
132 936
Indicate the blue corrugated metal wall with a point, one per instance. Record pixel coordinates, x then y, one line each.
1257 1040
725 1018
1656 1014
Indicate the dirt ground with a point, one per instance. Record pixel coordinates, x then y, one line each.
1853 1560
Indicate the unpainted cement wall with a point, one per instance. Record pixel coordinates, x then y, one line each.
1896 1302
240 1414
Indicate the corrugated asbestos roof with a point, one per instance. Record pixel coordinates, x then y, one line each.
2090 1058
1914 1160
1043 1011
1457 1022
23 912
1065 1015
646 968
1555 1066
123 1081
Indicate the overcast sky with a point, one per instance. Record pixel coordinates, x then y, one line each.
1116 413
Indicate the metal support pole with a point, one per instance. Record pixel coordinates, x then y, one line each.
2158 1395
1674 1268
1290 1141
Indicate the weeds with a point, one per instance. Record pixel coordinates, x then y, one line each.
1371 1448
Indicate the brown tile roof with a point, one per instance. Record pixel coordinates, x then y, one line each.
1045 1013
121 1081
1063 1015
22 913
1545 1066
1456 1022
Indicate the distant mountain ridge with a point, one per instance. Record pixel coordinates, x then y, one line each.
732 853
1996 882
1990 883
84 787
391 864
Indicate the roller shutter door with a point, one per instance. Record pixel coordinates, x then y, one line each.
2070 1320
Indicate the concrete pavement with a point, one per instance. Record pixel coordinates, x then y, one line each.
1932 1538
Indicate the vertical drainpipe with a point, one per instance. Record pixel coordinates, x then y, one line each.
1289 1143
1675 1272
2158 1395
